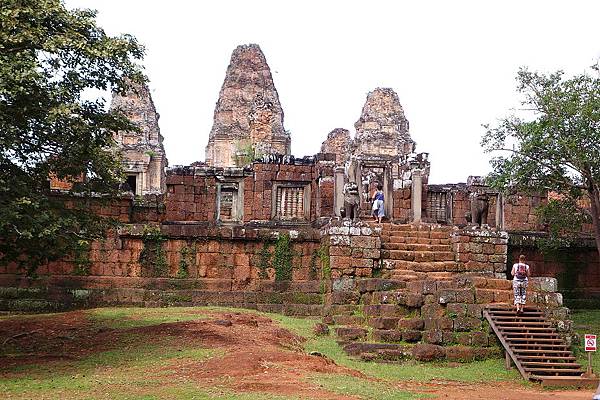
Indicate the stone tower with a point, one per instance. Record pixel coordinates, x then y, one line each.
143 152
338 142
382 128
248 118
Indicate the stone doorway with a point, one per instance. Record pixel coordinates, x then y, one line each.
371 173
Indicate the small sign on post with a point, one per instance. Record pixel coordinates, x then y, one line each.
590 342
590 346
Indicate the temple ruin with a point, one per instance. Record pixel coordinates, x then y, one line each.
248 119
258 227
143 153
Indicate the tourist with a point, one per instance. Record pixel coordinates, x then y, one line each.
377 197
520 272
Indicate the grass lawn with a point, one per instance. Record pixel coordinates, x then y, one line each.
586 321
137 363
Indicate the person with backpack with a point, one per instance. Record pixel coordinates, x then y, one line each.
520 272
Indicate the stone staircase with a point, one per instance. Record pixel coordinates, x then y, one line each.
412 252
426 302
394 320
431 319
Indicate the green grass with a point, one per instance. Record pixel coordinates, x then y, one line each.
586 321
123 371
124 366
123 318
477 371
365 389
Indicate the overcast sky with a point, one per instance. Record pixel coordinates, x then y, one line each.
452 63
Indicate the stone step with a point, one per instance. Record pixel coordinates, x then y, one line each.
359 348
407 275
351 333
415 227
418 256
410 275
397 335
375 351
431 266
434 233
417 247
387 323
414 240
351 320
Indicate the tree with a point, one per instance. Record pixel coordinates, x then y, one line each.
554 147
51 59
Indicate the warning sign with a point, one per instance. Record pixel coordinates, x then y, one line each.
590 342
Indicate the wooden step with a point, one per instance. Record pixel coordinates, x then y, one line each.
539 357
515 319
555 371
509 329
539 347
532 324
510 308
532 343
551 364
514 314
536 352
513 334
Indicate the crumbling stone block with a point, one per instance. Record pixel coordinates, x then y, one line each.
410 324
447 296
384 310
474 310
344 297
543 284
351 333
464 323
387 335
321 329
428 352
385 323
411 336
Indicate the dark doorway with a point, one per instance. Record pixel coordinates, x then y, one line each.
132 183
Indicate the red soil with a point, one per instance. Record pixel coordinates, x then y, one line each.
258 356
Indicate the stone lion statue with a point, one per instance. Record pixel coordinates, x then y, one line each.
351 207
479 209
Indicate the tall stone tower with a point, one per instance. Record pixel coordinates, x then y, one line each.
143 152
382 128
248 118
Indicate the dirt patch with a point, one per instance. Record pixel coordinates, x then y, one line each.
258 356
40 340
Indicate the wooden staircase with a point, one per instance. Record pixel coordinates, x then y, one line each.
535 347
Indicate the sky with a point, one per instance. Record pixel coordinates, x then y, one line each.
452 63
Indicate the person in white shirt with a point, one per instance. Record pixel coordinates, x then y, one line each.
520 272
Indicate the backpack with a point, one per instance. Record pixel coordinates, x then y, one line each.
521 272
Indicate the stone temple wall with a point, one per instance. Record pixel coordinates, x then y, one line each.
267 192
576 268
179 264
